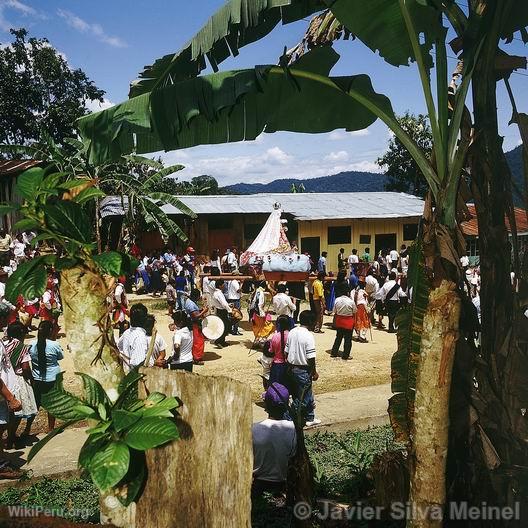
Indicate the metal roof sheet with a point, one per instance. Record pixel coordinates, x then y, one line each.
309 206
470 226
10 167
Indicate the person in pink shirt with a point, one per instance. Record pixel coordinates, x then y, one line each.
277 344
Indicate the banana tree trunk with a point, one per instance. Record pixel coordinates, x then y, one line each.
88 327
431 415
90 340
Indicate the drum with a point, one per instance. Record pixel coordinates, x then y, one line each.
212 327
236 315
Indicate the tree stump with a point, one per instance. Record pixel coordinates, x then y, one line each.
204 479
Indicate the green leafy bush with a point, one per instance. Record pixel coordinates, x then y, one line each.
113 453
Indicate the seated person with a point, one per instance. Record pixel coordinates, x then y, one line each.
274 442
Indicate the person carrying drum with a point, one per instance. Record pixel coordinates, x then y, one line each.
196 315
223 310
233 298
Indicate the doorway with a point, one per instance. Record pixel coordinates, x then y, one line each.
386 241
312 246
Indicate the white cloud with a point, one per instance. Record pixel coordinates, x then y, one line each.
276 156
95 106
364 132
20 7
252 166
339 135
94 30
337 156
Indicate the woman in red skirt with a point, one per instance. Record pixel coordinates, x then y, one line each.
50 308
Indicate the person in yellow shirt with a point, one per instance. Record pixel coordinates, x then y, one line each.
319 301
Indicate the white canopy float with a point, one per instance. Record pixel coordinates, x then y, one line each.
272 250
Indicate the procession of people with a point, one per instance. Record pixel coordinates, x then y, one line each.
206 297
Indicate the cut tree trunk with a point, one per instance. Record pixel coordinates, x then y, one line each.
202 480
87 325
431 416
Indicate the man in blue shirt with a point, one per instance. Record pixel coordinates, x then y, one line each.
321 264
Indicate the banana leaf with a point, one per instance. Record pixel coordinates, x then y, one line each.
404 362
378 23
236 24
234 106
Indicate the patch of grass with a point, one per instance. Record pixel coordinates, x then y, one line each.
74 499
342 460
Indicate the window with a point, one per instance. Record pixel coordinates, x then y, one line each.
410 231
339 235
364 239
472 248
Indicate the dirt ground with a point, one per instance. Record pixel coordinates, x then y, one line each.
370 364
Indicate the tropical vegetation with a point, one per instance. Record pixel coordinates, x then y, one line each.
482 456
40 93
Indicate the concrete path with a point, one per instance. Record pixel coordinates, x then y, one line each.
351 409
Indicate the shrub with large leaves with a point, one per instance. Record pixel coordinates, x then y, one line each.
55 207
113 453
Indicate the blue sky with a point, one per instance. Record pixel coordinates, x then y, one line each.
112 40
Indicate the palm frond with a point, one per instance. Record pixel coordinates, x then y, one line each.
168 199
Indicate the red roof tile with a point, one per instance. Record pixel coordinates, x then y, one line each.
12 167
470 227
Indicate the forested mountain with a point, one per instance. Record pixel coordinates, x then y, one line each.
343 182
356 181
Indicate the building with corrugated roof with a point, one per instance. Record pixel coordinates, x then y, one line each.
470 229
316 221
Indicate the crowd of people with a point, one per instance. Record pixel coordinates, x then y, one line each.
364 291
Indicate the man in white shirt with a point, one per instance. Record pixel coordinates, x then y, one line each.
282 303
464 261
232 262
344 311
133 344
353 260
300 355
223 310
233 298
274 442
390 294
182 342
371 283
394 256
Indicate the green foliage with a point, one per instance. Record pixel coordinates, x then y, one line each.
342 460
403 174
40 93
123 430
29 280
234 106
234 25
145 185
75 499
405 361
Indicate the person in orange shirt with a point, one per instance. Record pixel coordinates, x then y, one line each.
319 301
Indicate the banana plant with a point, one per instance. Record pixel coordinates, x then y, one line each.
172 106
